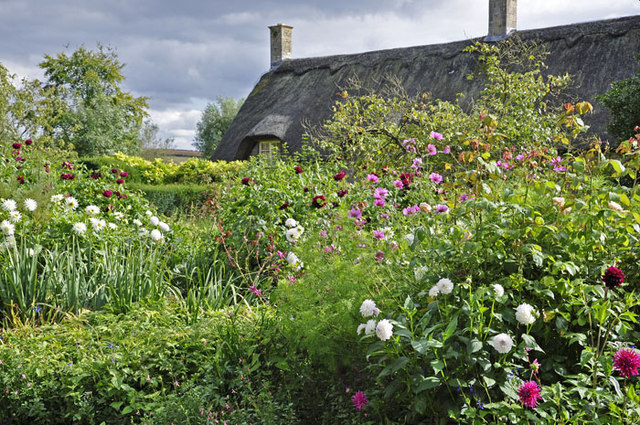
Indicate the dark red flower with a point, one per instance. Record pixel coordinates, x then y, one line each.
284 206
20 179
67 176
109 208
298 170
305 190
385 170
613 277
107 193
119 181
319 201
364 167
626 362
28 142
340 175
114 170
342 192
124 174
95 176
246 181
17 145
68 165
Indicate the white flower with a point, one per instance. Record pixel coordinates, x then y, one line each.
293 260
615 206
498 289
9 205
80 228
559 201
368 308
148 213
30 204
71 203
384 330
143 232
137 222
370 327
154 220
502 343
388 232
118 215
7 228
409 238
445 285
57 198
10 242
15 216
156 235
361 327
290 223
163 226
434 291
112 226
31 252
525 314
292 235
419 272
92 210
98 225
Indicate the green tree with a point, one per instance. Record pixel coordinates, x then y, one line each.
623 101
216 119
96 116
149 139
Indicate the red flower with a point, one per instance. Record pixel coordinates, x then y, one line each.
114 170
342 192
626 362
107 193
67 176
246 181
119 181
124 174
20 179
28 142
95 176
319 201
359 400
529 393
17 145
340 175
613 277
298 170
68 165
284 206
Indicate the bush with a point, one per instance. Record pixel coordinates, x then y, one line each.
623 102
169 199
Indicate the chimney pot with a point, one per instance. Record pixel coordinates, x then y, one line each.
503 19
280 44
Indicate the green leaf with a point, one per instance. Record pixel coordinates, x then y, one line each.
451 328
474 346
437 366
617 166
428 383
530 342
489 381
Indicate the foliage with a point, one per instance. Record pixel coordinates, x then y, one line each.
216 119
170 198
96 117
148 137
623 102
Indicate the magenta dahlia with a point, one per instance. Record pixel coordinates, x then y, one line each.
627 362
359 400
529 393
613 277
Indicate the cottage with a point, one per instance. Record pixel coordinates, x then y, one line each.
297 92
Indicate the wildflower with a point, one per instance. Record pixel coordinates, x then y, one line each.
112 226
615 206
56 198
298 170
441 209
525 314
435 135
498 290
398 184
370 327
355 213
79 228
410 210
118 215
434 291
254 289
613 277
95 176
319 201
7 228
535 366
379 202
379 256
446 150
107 193
294 233
17 145
15 216
409 238
30 204
384 216
502 343
9 205
417 163
290 222
529 393
359 400
71 203
156 235
28 142
114 170
378 234
368 308
98 225
120 181
294 261
284 206
431 150
92 210
424 207
445 285
137 222
627 362
435 177
339 176
384 330
559 201
245 181
373 177
341 193
380 193
154 220
124 174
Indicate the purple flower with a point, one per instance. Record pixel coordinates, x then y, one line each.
529 393
378 234
379 202
398 184
379 255
380 193
409 145
441 208
626 362
431 150
255 290
435 135
417 163
373 177
384 216
519 157
355 213
359 400
411 210
446 150
435 177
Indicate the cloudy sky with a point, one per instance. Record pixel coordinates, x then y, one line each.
183 54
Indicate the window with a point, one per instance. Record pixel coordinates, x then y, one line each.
268 148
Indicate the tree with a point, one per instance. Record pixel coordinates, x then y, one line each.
95 116
149 139
216 119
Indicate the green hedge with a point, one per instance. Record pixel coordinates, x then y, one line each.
171 198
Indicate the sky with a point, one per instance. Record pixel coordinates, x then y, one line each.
184 54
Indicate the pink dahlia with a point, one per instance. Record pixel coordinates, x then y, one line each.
529 393
626 362
613 277
359 400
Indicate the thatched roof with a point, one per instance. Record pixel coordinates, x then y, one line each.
304 90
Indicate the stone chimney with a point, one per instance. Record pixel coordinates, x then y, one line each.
503 18
280 44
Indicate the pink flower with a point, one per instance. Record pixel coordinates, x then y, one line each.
431 150
380 193
378 234
398 184
441 208
372 177
435 135
446 150
409 145
28 142
120 181
17 145
379 256
379 202
435 177
417 163
529 393
384 216
359 400
626 362
255 290
411 210
355 213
